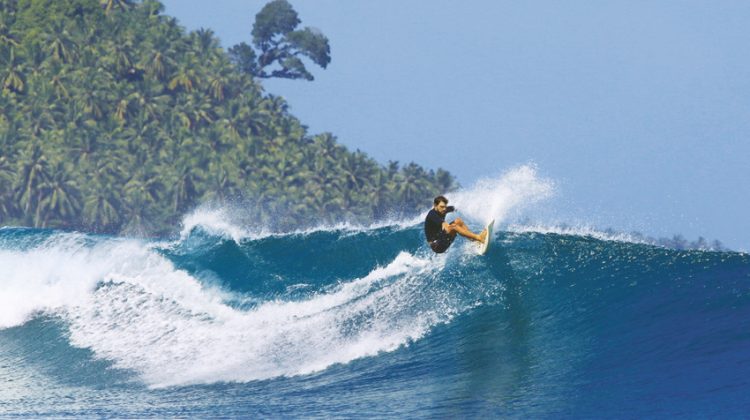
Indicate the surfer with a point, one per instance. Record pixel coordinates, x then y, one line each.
441 234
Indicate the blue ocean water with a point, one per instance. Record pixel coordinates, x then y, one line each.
349 322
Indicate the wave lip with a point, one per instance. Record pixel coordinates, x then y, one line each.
223 222
216 221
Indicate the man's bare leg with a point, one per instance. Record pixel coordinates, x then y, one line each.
460 227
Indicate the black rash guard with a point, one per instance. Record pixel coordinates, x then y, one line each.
433 225
439 240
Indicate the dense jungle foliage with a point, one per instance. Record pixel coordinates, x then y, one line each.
115 119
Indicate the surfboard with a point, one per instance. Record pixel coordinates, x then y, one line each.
482 247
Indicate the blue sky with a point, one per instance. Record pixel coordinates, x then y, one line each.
638 110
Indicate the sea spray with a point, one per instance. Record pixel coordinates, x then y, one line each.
502 197
219 220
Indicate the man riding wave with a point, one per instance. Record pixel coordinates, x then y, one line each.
441 234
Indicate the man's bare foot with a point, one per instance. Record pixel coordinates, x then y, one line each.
483 236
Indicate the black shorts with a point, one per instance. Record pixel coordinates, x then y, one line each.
442 243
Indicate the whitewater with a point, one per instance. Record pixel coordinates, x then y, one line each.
230 319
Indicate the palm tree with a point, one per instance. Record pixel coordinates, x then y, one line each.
7 178
145 183
91 101
159 61
219 184
33 174
83 146
157 64
275 105
110 5
100 207
6 38
245 120
121 58
59 86
142 194
356 170
217 141
202 112
219 82
38 116
234 119
59 43
186 185
35 58
150 102
109 165
185 78
121 110
412 189
61 197
204 43
152 8
445 181
382 195
12 77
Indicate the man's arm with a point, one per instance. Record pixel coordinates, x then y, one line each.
448 227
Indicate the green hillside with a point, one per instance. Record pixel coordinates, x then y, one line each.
115 119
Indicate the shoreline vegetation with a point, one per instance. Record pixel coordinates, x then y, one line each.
116 120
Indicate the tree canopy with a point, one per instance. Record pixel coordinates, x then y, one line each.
113 118
280 46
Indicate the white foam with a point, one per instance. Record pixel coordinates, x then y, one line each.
228 223
130 305
216 221
56 274
354 228
489 198
191 337
502 197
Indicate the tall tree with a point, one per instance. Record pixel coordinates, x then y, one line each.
12 76
7 176
61 196
280 46
34 173
110 5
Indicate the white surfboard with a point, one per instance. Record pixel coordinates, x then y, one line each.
482 247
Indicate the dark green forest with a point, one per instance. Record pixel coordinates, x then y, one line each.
115 119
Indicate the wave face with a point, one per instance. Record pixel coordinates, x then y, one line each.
366 321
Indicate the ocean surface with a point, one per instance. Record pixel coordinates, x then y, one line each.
352 321
228 319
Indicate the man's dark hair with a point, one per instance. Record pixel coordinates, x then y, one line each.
439 199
